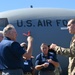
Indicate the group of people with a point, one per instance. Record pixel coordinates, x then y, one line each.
15 57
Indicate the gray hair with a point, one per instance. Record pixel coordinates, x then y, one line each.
7 29
72 21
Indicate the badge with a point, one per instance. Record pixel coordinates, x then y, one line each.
25 63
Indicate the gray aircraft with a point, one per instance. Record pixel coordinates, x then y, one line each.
46 25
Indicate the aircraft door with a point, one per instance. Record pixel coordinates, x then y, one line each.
3 22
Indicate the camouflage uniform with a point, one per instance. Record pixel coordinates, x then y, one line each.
69 52
58 70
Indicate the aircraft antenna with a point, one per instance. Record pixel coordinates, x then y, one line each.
31 6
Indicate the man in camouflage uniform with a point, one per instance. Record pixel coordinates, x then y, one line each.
68 51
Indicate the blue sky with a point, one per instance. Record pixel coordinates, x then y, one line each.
18 4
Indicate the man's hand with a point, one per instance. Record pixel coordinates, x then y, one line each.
29 38
52 46
24 45
46 64
50 60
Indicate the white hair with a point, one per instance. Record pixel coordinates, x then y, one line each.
7 29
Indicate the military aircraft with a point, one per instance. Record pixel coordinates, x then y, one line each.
47 25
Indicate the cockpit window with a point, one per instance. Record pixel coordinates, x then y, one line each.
3 22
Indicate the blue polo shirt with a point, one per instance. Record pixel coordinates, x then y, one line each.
28 65
41 59
11 54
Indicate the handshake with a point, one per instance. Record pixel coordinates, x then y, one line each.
52 46
46 64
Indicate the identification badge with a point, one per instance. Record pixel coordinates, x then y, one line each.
25 63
